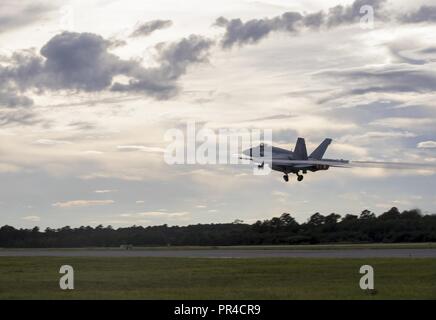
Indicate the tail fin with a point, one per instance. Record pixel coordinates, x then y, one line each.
319 152
300 152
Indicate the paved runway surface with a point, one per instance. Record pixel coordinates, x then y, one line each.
220 253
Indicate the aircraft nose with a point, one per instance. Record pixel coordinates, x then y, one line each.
248 152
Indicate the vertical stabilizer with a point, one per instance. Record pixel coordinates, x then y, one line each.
300 152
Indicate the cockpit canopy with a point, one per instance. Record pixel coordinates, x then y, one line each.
256 152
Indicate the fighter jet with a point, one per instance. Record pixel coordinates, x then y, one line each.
299 163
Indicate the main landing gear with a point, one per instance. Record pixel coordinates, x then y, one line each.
299 177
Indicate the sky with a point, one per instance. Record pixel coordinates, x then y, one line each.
88 90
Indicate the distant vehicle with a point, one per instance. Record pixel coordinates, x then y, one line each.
299 163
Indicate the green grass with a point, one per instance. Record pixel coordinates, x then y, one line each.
186 278
428 245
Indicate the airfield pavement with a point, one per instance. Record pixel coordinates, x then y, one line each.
223 253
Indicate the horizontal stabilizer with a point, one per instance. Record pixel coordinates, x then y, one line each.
319 152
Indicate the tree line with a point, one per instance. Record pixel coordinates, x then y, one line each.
392 226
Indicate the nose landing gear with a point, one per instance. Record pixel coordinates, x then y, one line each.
286 177
300 177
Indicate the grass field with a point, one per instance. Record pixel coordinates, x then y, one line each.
186 278
428 245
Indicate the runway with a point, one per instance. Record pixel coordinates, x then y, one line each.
224 253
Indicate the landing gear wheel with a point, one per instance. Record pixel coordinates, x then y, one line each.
300 178
286 177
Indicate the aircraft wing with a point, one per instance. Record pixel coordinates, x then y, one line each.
344 163
309 163
355 164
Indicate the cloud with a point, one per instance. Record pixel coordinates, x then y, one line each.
149 27
174 59
423 14
82 203
396 79
252 31
238 32
429 50
157 214
81 62
104 191
116 43
11 99
129 148
50 142
18 117
350 149
402 122
427 145
31 218
92 152
69 61
373 136
17 14
349 14
148 217
82 125
178 214
399 51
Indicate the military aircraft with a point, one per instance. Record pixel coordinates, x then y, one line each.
299 163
